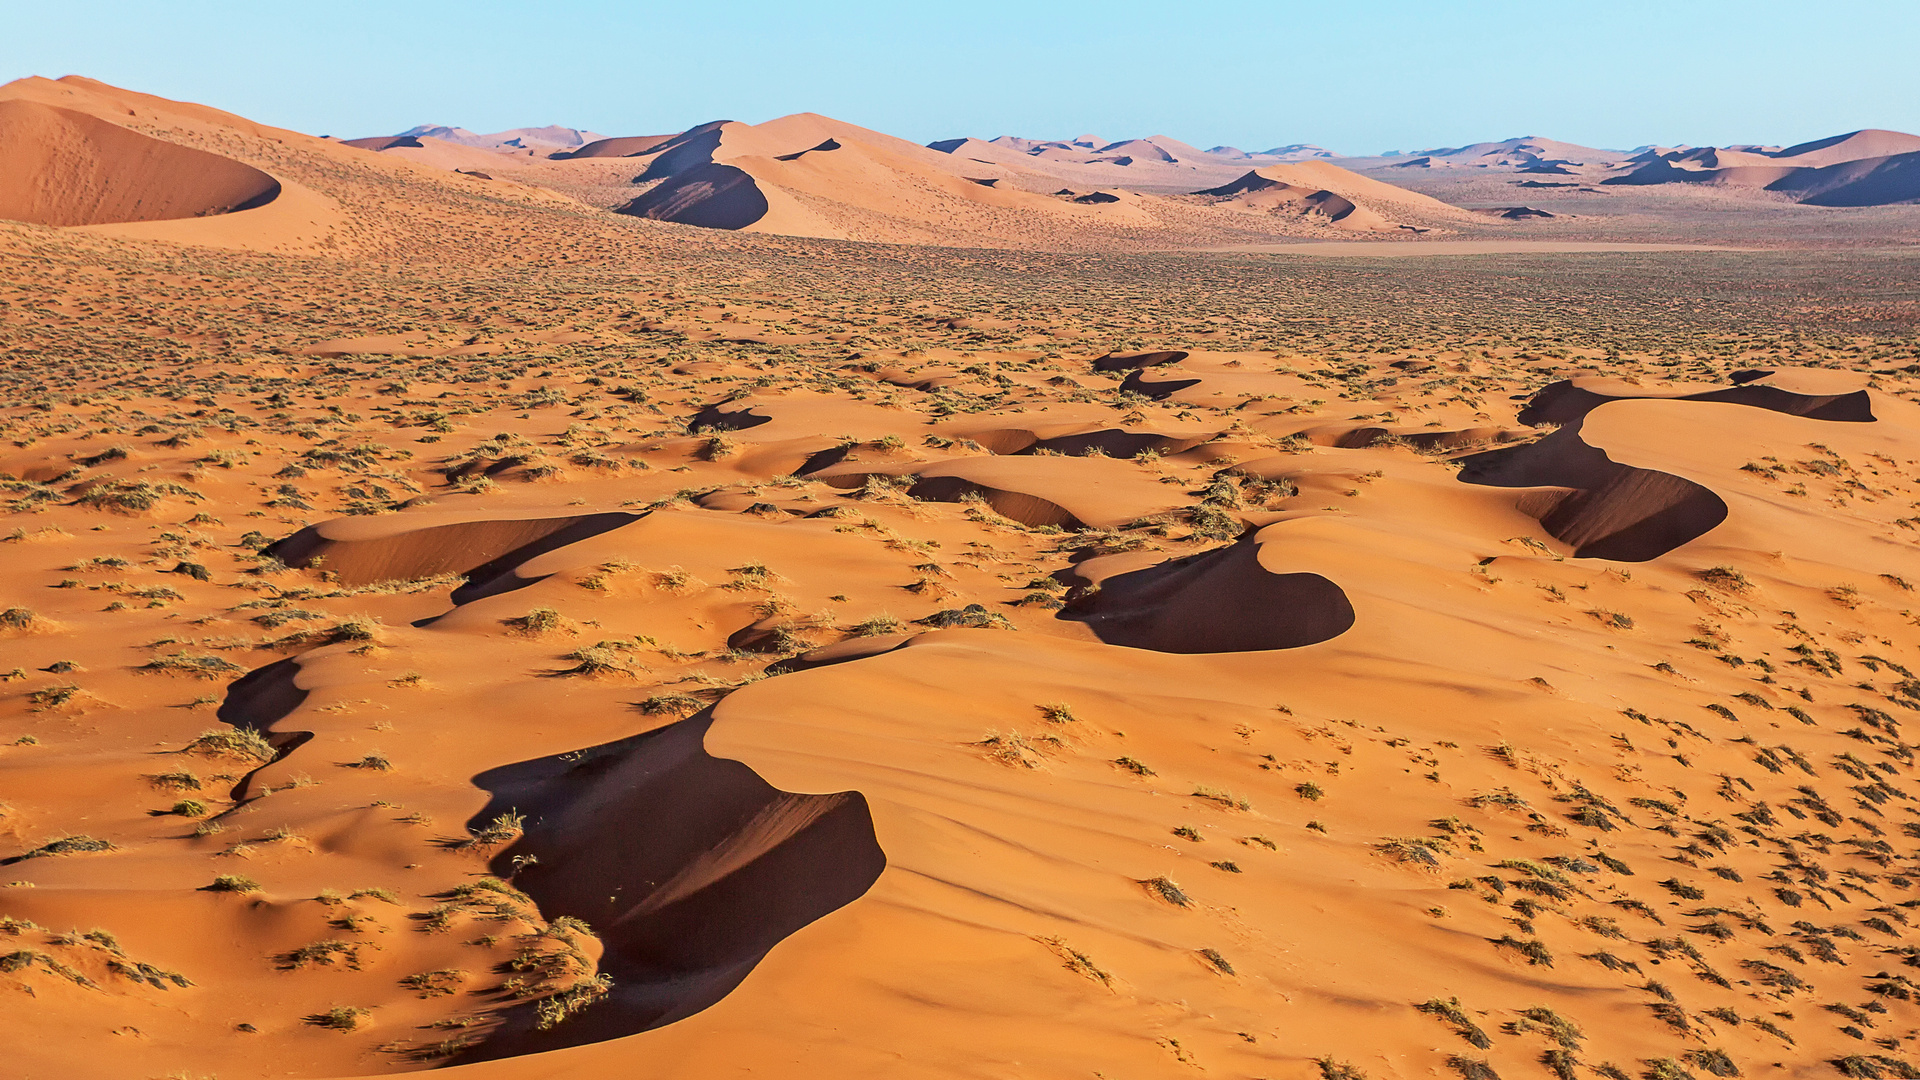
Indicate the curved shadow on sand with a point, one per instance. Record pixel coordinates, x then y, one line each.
1031 510
1136 361
689 868
715 418
830 144
1158 391
1565 403
690 149
256 702
1113 442
1363 438
1221 600
482 550
711 196
1612 511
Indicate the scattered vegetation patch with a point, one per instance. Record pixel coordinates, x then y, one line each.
1076 961
232 883
1164 888
66 845
239 744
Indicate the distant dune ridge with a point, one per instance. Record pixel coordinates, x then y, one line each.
75 163
1861 168
549 138
1344 198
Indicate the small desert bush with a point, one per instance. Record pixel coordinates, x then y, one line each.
541 621
876 626
1222 796
593 662
53 697
557 1008
671 705
1164 888
1076 961
501 830
339 1018
177 780
1450 1012
69 845
244 744
20 619
132 496
198 665
1726 579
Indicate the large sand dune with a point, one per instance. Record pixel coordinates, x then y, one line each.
68 168
1863 168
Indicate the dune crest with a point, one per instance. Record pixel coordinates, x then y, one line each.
68 168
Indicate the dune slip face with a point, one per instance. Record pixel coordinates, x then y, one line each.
446 623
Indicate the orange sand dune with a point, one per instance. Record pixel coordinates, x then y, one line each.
438 153
121 165
788 176
1317 188
1864 168
68 168
1256 192
1853 146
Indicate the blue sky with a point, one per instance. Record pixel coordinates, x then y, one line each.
1358 77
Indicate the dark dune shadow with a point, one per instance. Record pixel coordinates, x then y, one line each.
497 576
1013 505
690 868
710 196
262 697
1158 391
384 142
1135 361
479 549
256 702
823 459
690 149
716 418
798 154
1114 442
1217 601
1613 511
1564 403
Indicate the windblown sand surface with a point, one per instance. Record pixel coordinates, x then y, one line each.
473 629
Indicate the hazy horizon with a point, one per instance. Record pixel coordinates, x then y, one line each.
1376 76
